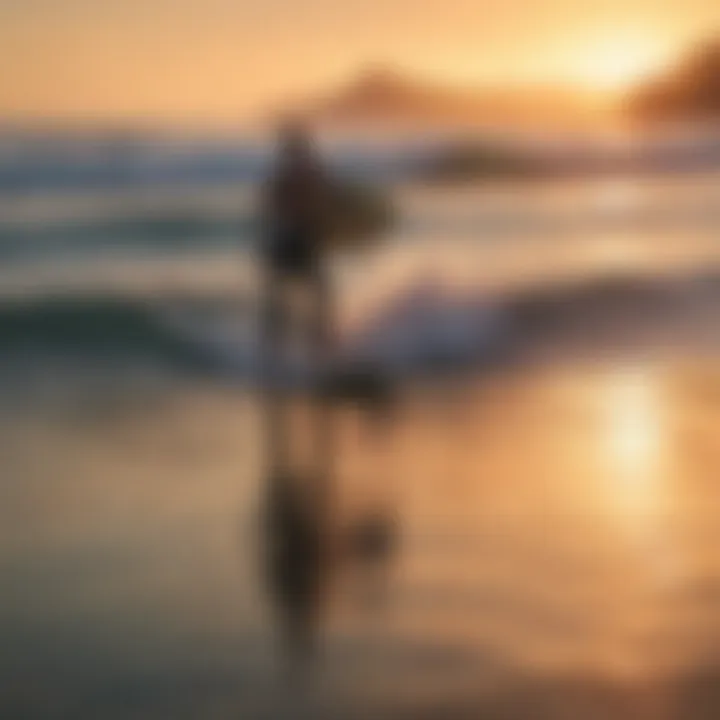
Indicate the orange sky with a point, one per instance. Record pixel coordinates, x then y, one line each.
222 59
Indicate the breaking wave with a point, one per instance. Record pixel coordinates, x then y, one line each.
422 328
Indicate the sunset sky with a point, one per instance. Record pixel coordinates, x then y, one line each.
222 59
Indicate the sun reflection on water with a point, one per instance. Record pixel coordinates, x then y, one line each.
635 443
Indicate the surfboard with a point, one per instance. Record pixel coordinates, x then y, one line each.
359 215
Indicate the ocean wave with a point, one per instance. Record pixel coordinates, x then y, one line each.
94 328
422 328
169 232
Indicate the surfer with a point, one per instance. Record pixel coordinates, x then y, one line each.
295 205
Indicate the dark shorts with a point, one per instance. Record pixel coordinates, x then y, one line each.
292 253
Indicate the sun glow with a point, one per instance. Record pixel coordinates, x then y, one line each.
618 63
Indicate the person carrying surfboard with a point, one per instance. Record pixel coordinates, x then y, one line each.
295 208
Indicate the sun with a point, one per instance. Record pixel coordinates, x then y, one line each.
617 63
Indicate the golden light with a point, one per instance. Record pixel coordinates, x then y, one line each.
633 429
634 448
617 63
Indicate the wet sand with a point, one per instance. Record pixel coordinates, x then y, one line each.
556 555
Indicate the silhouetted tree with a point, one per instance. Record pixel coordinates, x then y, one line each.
690 92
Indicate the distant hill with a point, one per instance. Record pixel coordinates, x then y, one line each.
690 92
383 97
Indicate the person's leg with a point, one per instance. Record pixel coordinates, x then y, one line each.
323 312
323 420
273 322
271 316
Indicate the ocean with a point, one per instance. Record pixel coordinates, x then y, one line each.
549 460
